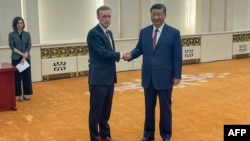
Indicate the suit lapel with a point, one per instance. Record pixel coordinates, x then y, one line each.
149 38
17 38
112 40
105 36
23 37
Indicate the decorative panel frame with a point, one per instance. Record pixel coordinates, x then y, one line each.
63 62
241 45
191 50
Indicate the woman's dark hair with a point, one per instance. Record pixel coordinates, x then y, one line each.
15 22
159 6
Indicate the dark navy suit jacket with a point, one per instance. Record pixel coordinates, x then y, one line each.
162 64
102 57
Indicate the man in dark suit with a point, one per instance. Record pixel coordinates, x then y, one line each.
160 45
102 75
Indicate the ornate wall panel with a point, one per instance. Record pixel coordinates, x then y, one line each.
191 50
191 41
64 62
241 45
241 37
58 52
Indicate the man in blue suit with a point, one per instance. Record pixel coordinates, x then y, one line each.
160 45
102 75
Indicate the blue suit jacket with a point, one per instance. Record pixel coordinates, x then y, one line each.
102 58
23 45
162 64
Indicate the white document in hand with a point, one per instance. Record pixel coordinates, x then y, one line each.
22 66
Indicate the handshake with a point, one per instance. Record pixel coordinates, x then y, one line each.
126 56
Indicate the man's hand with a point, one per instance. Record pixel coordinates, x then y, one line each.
176 81
126 56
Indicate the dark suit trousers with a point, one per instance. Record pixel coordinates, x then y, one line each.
23 82
165 102
101 97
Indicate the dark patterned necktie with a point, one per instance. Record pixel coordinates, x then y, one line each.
108 36
155 38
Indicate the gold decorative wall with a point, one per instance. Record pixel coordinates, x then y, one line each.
191 41
241 37
58 52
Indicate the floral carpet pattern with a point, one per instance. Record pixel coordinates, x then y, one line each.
186 80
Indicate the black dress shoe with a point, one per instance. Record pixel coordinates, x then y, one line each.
146 139
108 139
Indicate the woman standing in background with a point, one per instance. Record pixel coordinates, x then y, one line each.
20 45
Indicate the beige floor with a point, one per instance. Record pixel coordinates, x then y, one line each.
211 95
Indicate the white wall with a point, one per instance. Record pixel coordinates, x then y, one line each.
129 19
66 20
217 15
229 15
32 19
203 16
115 18
241 14
176 15
8 10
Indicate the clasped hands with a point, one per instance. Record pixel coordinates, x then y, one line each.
25 55
126 56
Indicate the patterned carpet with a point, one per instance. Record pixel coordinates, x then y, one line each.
209 96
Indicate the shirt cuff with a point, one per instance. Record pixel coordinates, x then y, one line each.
120 55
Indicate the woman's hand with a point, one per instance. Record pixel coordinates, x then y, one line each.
25 55
22 61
